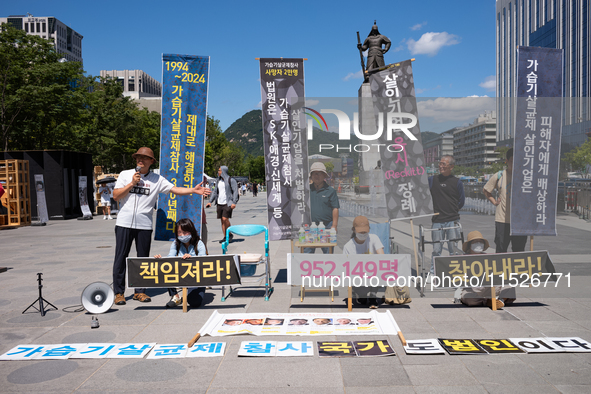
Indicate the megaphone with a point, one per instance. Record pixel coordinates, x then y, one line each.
98 297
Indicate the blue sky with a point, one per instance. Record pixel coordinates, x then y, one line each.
452 41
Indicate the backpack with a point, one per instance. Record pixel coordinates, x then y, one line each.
238 199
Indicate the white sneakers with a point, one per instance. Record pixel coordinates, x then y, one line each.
107 218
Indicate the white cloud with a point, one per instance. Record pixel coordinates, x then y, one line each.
418 26
430 43
462 109
356 75
489 83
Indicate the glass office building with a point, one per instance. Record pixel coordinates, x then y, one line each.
562 24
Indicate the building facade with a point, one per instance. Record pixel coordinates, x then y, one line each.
441 146
67 41
136 83
562 24
474 145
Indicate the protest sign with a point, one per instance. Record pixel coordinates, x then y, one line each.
285 145
359 270
185 79
365 323
211 270
538 128
403 166
501 269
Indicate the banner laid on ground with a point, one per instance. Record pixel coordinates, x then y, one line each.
113 350
285 145
339 270
538 129
83 196
366 323
185 80
214 270
41 203
403 161
502 269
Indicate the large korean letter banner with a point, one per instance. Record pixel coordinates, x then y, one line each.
182 142
538 128
340 270
213 270
285 144
403 161
501 269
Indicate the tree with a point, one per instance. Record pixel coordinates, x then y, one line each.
256 168
39 95
220 152
579 158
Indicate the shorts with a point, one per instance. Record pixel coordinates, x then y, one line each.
106 203
224 211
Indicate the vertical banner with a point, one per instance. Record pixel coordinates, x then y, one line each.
41 203
538 129
83 196
403 160
285 144
185 79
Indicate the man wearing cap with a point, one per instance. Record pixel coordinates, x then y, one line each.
324 202
138 190
481 296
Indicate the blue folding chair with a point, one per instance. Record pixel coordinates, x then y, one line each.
249 268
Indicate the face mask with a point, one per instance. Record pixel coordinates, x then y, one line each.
361 236
184 238
477 247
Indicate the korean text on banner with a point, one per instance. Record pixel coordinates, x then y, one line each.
403 162
182 143
538 128
285 144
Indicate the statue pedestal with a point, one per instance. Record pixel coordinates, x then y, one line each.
370 173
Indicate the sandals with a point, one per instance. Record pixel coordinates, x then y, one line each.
141 297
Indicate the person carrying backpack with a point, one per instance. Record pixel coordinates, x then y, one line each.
226 196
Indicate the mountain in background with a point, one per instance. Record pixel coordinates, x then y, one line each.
247 132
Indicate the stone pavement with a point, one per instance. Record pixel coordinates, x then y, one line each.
72 254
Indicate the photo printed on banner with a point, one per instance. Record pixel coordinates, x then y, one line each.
403 162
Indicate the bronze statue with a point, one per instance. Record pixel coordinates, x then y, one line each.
374 42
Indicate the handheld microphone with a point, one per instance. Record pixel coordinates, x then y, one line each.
137 169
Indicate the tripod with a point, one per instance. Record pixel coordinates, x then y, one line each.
41 308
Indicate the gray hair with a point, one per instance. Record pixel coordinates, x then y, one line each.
451 159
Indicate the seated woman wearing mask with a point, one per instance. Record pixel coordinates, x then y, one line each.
362 242
481 296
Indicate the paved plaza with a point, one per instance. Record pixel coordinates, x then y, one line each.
72 254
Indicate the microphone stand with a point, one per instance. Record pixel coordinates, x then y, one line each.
41 308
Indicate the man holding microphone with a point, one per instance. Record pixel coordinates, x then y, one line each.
138 191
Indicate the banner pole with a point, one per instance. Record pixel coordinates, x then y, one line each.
531 243
414 245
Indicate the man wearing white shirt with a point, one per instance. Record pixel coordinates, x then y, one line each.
138 190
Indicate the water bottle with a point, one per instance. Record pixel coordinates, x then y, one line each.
333 235
307 233
313 233
302 235
321 233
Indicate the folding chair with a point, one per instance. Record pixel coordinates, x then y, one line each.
424 270
249 262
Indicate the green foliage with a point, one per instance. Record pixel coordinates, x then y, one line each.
220 152
256 168
48 104
579 158
40 96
